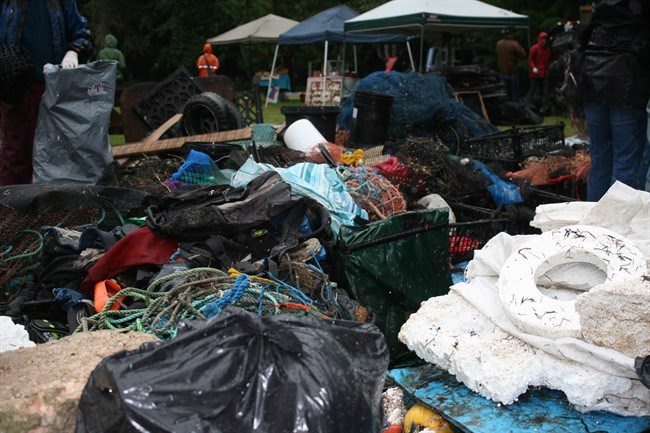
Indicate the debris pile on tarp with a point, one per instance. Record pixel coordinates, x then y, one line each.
344 242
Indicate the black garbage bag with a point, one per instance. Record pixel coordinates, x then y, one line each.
241 372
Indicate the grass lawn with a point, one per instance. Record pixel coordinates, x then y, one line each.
274 116
272 112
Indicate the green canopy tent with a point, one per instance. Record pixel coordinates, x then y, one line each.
451 16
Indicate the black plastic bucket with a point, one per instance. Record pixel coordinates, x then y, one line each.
370 119
322 117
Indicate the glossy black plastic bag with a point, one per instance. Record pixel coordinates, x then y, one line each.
241 372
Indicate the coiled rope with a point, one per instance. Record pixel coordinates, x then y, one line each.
199 293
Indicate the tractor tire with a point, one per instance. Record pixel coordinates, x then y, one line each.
234 116
205 113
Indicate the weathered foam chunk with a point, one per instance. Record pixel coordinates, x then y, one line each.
541 315
617 316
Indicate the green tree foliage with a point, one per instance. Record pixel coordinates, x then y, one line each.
159 36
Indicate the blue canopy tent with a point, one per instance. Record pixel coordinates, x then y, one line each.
326 27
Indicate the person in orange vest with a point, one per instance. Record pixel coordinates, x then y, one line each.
207 63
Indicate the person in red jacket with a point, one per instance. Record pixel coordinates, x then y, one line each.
539 60
207 63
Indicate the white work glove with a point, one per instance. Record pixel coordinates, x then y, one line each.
70 60
535 71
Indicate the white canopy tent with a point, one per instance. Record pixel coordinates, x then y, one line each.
266 29
434 15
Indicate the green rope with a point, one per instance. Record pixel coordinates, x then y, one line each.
198 289
31 254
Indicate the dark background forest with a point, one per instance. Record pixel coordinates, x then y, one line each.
159 36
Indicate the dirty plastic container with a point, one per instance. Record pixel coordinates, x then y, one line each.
302 135
322 117
370 119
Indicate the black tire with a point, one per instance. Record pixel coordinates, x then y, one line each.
204 113
234 116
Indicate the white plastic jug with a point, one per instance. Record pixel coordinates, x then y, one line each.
302 135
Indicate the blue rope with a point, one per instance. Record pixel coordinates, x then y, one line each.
233 295
297 294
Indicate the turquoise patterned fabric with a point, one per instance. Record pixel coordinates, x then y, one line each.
316 181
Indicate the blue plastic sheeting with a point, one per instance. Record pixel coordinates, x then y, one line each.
328 26
502 192
538 411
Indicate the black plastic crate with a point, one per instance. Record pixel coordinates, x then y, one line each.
516 144
168 98
535 196
474 227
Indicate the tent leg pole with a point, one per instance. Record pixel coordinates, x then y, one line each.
421 46
322 100
268 90
408 48
356 64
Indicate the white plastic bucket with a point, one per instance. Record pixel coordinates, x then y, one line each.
302 135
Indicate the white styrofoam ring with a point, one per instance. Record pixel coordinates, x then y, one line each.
302 135
538 314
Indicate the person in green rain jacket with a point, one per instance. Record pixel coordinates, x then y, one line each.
110 52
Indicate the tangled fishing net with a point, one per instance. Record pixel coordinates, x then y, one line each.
148 173
24 209
334 152
423 104
542 170
374 193
434 171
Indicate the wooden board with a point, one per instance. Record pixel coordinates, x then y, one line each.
171 144
474 101
155 136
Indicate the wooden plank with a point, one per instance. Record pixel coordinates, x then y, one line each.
474 100
155 136
171 144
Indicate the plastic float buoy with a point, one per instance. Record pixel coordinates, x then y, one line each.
421 416
541 315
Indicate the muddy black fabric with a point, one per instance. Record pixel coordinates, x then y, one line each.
265 206
193 214
37 199
241 372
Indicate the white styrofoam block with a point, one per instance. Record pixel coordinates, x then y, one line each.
13 336
542 315
449 332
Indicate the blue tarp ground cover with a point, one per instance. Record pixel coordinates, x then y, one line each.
538 411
